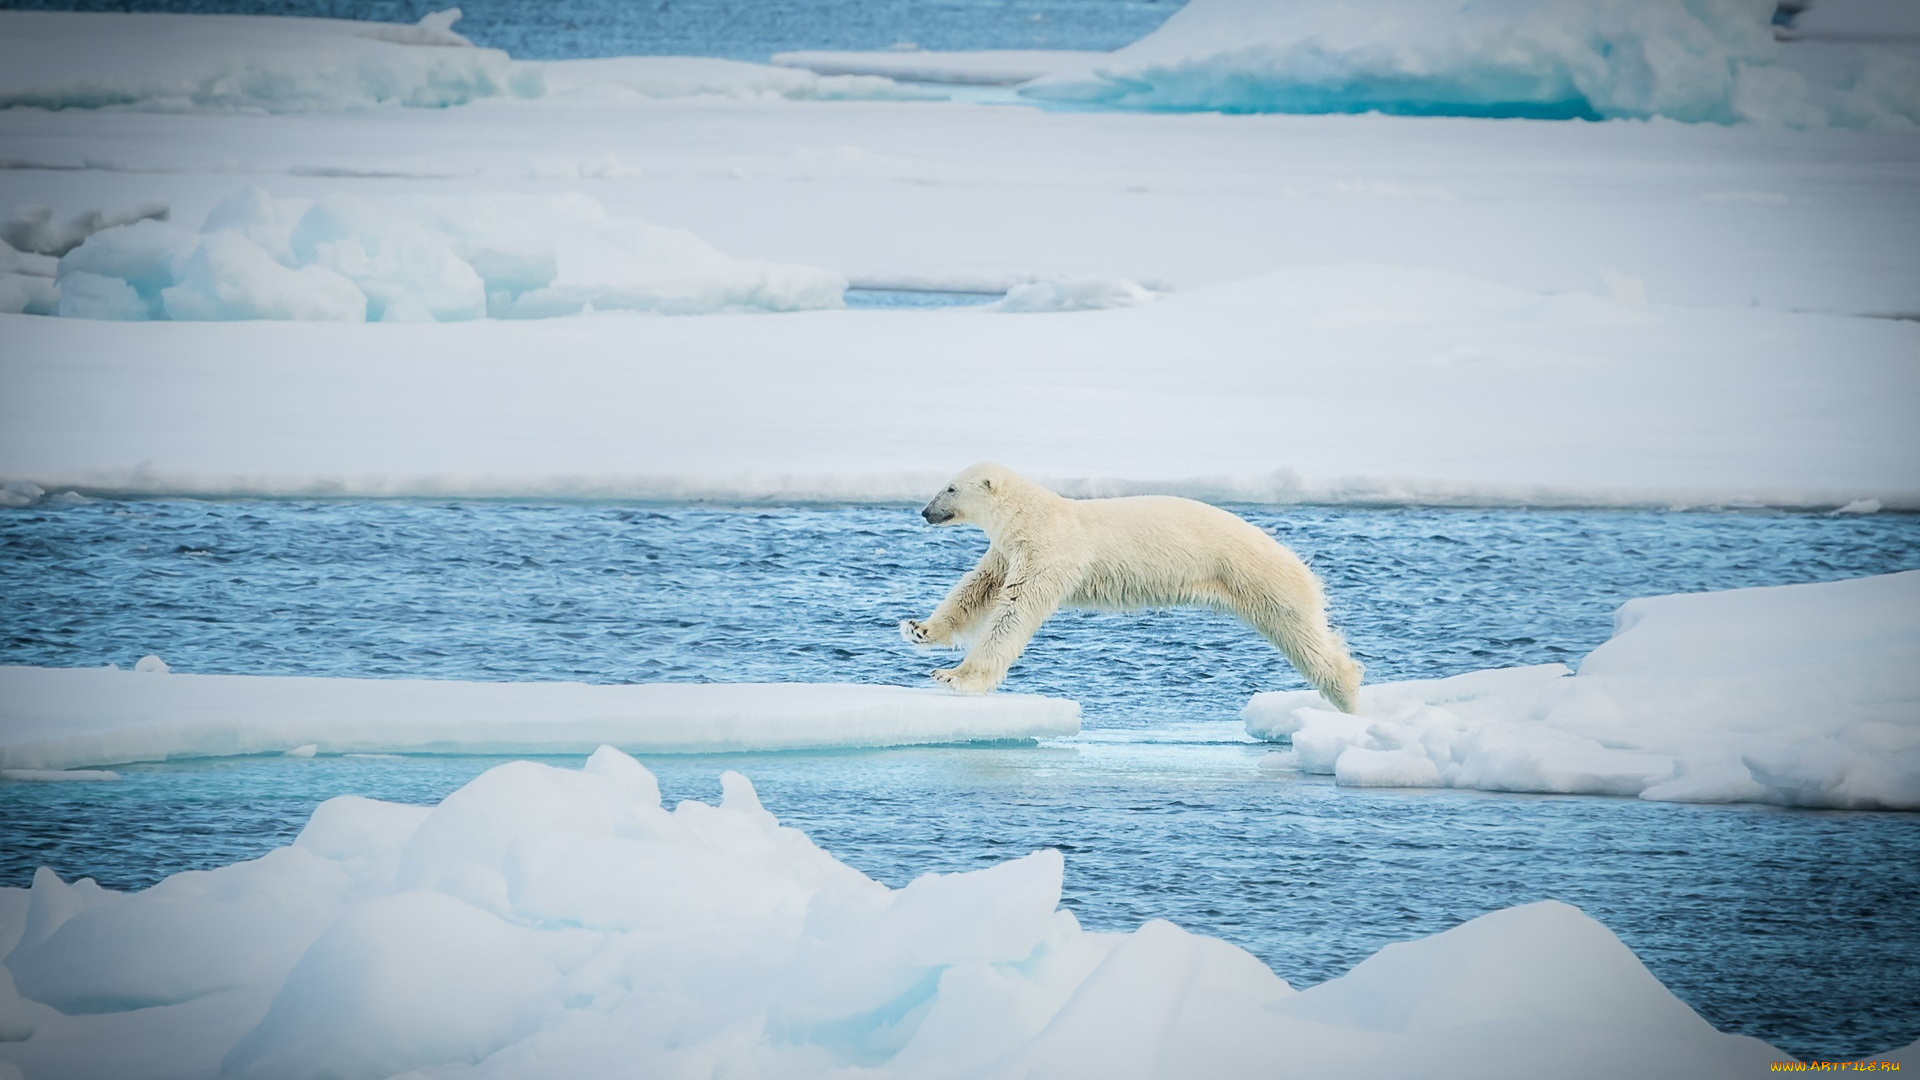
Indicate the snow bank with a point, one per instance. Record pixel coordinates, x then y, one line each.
1805 695
551 922
59 718
347 259
1694 60
63 60
242 63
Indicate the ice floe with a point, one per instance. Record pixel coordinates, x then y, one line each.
244 63
559 922
61 718
1341 384
1681 59
63 60
1804 695
343 258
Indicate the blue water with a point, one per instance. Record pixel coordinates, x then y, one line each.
739 29
1795 926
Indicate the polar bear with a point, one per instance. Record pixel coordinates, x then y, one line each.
1046 551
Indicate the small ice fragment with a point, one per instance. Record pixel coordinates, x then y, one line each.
152 663
304 751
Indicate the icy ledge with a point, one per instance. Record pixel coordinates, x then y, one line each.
60 718
1803 695
552 922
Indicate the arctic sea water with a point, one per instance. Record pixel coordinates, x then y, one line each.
565 29
1795 926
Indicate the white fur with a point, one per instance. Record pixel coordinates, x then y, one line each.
1046 552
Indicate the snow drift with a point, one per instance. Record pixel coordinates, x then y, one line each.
551 922
1805 695
1693 60
59 718
343 258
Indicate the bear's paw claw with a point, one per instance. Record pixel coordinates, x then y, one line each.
915 632
958 680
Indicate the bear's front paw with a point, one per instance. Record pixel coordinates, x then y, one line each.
915 632
965 682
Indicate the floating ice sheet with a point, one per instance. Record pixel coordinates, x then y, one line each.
60 718
1806 695
244 63
553 922
1592 59
59 60
1338 384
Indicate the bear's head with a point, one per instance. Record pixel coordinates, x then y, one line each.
972 497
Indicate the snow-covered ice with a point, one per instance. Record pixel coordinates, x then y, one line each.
951 195
61 718
65 60
1715 62
554 922
232 63
342 258
1805 695
1345 384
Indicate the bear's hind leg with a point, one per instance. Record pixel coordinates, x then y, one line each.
1316 650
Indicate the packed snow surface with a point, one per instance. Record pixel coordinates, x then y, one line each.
1345 384
1806 695
552 922
60 718
343 258
1693 60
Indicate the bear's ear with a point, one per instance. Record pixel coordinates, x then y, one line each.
986 483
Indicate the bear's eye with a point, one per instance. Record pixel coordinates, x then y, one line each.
953 490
